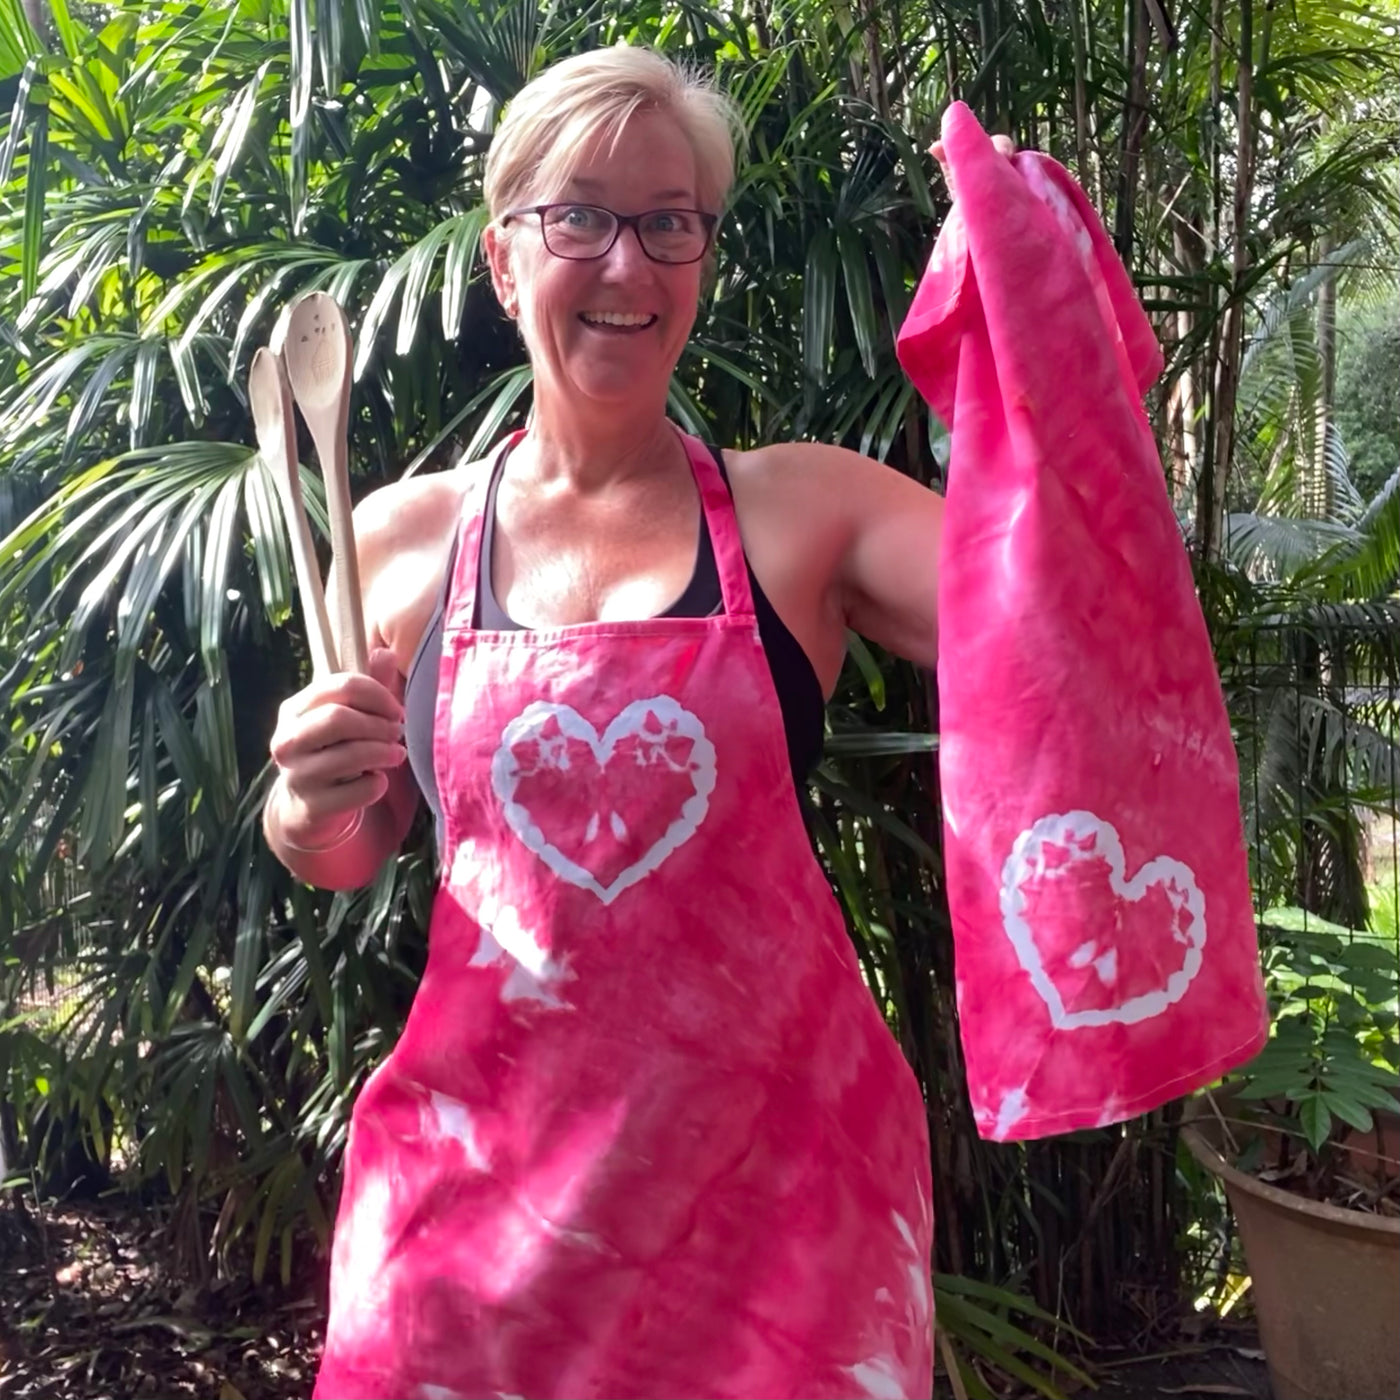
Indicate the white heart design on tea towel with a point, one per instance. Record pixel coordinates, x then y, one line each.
1081 836
660 710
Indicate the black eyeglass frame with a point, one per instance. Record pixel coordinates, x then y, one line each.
620 222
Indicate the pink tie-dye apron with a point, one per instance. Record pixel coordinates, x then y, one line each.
645 1133
1106 952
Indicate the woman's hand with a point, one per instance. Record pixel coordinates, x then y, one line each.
1003 143
336 744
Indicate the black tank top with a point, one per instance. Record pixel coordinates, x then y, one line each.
799 692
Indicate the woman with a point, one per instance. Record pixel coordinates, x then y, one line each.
645 1133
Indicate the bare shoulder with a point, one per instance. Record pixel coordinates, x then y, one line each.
403 533
789 465
821 481
402 512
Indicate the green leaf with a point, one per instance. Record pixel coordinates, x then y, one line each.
67 30
271 551
233 133
1349 1109
819 304
148 791
185 755
309 931
300 110
213 580
860 653
458 265
879 814
329 44
859 297
880 743
14 138
35 186
919 190
1316 1120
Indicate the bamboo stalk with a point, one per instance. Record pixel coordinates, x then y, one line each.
1081 93
1232 346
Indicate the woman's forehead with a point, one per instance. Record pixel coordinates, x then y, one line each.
647 160
591 187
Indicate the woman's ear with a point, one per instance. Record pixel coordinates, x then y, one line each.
497 248
709 276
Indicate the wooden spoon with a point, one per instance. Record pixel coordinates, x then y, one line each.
317 356
274 420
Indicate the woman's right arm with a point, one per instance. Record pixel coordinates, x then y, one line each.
344 798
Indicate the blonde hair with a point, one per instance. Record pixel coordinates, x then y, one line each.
553 117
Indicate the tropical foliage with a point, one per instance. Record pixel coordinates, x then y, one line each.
172 175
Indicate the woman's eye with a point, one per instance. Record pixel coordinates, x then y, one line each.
577 216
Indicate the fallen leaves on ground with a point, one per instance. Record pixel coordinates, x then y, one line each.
89 1310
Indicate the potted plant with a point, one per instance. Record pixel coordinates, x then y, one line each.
1306 1138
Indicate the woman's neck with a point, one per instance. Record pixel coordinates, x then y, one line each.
588 453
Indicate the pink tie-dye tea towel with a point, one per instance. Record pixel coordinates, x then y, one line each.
1105 939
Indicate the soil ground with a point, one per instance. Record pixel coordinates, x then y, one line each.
88 1311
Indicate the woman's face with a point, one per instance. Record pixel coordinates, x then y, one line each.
561 304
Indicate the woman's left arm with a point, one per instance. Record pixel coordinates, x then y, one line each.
889 576
871 539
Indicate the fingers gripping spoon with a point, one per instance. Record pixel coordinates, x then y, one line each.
317 357
274 423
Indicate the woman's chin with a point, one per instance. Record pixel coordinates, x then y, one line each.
616 385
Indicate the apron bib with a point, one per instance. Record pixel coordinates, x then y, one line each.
645 1133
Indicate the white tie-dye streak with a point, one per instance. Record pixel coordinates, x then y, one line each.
1012 1110
504 939
917 1270
444 1117
442 1392
360 1270
879 1379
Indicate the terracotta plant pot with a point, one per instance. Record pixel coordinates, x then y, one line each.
1326 1281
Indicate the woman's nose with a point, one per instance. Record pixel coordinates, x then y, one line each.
625 257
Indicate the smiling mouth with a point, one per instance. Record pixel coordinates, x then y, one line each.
616 320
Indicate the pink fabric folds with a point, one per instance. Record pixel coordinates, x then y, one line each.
1105 940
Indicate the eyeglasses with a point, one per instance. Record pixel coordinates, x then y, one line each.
584 231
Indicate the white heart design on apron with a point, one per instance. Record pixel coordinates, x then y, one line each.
1056 844
643 733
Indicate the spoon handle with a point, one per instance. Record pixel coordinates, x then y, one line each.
348 606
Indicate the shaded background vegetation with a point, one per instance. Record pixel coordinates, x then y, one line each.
171 175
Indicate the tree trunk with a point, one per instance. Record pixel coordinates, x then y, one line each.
1081 93
1210 522
988 32
1321 497
877 87
1134 126
1185 443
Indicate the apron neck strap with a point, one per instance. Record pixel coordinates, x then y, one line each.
716 501
460 612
